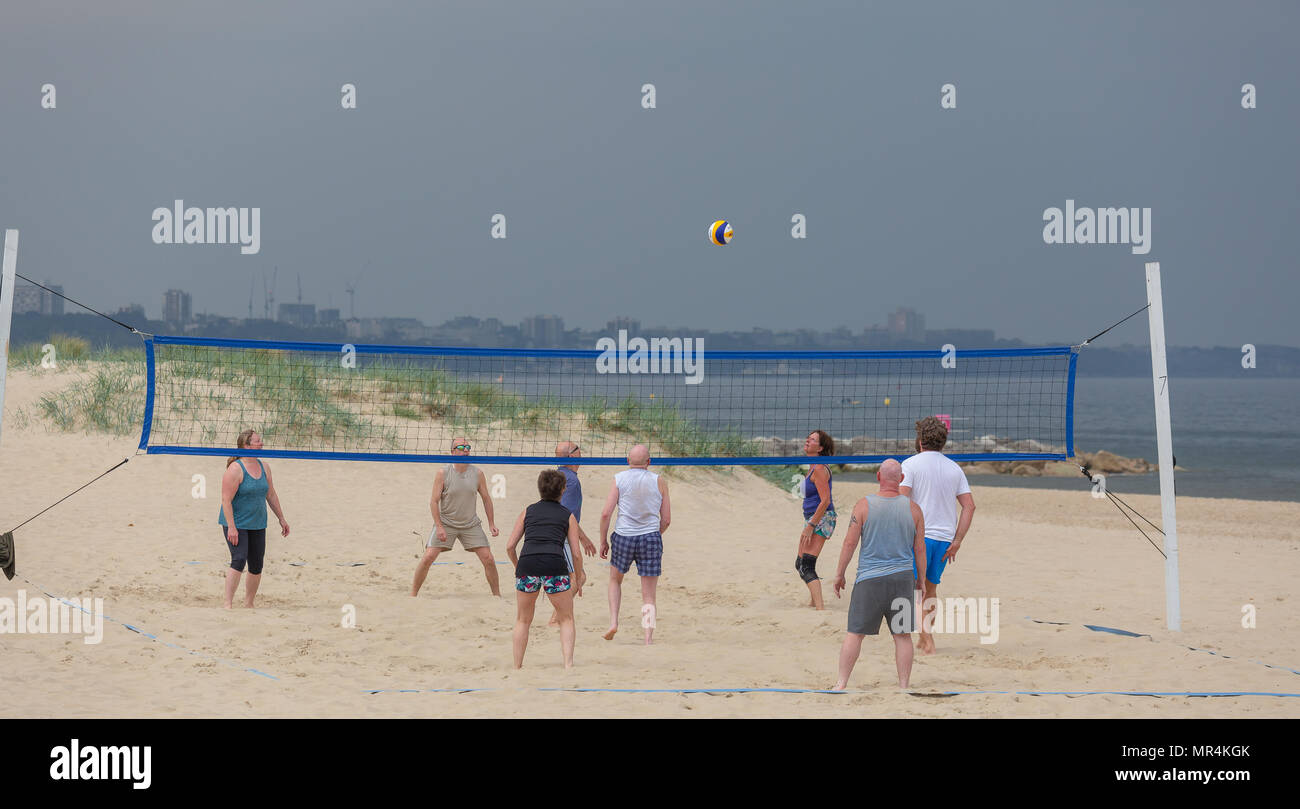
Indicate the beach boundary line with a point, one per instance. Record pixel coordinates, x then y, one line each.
139 631
1126 633
716 691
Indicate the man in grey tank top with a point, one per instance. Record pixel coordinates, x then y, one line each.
892 530
455 517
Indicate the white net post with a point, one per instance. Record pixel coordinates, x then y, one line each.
10 266
1164 447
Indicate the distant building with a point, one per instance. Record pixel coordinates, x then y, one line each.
176 307
52 304
876 336
31 299
631 324
27 299
297 314
132 314
327 317
962 338
543 330
907 325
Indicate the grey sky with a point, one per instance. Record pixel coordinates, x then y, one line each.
533 110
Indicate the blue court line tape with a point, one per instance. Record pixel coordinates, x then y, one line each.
1126 633
374 691
1114 631
148 635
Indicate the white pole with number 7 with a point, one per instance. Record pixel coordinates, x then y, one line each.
1164 447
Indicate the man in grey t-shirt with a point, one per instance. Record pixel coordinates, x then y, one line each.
892 530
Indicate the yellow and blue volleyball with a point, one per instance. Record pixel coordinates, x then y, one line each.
720 232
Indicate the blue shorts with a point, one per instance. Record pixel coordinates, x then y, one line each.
934 564
647 550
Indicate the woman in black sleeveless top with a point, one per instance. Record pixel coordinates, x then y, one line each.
545 527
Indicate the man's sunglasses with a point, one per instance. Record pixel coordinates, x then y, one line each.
462 446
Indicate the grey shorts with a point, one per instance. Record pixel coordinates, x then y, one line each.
884 598
568 556
470 538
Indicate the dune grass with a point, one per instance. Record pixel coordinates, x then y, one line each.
305 401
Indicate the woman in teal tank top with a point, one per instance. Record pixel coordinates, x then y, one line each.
246 489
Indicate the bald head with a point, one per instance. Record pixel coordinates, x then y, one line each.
564 449
890 476
639 456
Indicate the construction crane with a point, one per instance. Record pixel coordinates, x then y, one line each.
268 293
352 292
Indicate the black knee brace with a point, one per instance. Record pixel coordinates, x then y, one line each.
806 565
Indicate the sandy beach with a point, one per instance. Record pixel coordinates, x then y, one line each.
732 613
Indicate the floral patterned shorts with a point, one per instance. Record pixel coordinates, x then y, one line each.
552 584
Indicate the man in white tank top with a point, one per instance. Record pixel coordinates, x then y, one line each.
641 498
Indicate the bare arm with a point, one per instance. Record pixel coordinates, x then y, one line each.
487 502
918 543
433 501
967 502
606 513
273 500
574 550
665 510
851 538
516 534
588 547
906 491
230 481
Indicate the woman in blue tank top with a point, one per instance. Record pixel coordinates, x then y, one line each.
818 515
246 489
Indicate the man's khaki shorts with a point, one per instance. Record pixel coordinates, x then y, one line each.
471 538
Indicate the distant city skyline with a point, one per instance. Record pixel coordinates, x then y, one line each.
903 326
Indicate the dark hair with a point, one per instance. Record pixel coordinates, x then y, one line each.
550 484
931 434
240 443
828 443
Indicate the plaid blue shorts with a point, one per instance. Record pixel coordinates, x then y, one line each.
647 550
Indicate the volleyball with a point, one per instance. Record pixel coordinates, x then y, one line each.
720 232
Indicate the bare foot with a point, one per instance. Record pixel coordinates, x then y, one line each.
228 606
838 687
610 634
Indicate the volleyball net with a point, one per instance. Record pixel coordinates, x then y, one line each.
690 406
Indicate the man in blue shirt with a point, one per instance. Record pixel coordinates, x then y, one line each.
572 500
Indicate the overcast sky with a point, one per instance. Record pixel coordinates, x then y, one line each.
764 110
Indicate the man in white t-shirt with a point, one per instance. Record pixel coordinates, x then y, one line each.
938 486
